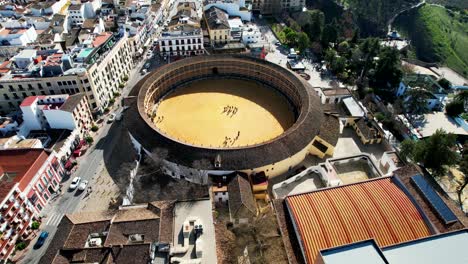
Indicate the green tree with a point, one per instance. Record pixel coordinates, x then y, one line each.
416 103
464 169
329 35
290 36
444 83
312 22
338 65
454 108
388 69
35 225
462 96
303 41
434 152
20 246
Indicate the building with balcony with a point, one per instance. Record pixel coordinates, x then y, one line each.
183 35
217 24
28 178
57 112
95 67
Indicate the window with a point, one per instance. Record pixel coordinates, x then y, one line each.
52 92
39 207
30 87
62 91
1 86
6 96
74 82
48 84
45 180
69 82
40 86
15 96
39 186
59 83
33 93
24 95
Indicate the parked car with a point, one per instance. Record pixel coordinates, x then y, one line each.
277 43
111 118
42 238
146 66
83 185
75 183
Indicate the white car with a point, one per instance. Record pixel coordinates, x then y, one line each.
83 185
111 118
75 183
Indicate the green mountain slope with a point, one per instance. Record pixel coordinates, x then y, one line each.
437 35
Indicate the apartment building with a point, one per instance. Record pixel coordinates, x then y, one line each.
277 6
28 178
183 35
218 26
95 69
57 112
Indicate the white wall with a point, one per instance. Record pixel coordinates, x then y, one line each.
59 119
30 117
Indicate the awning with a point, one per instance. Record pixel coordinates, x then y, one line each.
68 165
77 153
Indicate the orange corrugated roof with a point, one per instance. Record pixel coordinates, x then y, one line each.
376 209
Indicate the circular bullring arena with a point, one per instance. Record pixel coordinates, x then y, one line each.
225 113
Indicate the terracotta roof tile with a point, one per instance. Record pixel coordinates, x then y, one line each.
376 209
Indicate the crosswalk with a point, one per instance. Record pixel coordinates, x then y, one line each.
54 219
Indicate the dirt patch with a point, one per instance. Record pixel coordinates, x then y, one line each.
152 185
261 238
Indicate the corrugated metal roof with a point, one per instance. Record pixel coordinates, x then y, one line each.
376 209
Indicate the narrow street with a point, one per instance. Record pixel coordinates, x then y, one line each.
89 166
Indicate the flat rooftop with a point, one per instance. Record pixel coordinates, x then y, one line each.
443 248
355 170
439 120
202 210
306 181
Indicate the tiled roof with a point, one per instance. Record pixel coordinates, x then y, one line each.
72 101
240 195
21 165
101 39
376 209
119 232
30 100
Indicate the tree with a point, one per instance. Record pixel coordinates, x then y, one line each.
464 169
303 41
312 22
455 108
35 225
444 83
89 139
338 65
388 69
290 36
329 35
416 103
20 246
434 152
462 96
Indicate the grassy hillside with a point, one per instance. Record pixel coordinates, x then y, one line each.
463 4
437 36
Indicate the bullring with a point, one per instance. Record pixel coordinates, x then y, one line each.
273 156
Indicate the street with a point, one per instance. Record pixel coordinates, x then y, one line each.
90 165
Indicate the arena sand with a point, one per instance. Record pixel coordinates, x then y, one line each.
224 113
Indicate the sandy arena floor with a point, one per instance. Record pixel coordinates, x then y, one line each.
224 113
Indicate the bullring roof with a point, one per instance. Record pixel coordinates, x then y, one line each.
376 209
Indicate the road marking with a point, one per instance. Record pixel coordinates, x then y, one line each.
54 220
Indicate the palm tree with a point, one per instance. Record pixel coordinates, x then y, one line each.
463 96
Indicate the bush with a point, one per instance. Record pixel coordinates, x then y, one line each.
20 246
35 225
121 86
94 128
380 117
444 83
89 139
106 110
116 94
125 78
111 101
454 108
